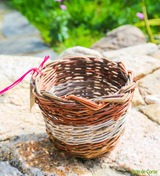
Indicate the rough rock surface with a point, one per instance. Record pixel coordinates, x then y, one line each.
135 58
135 151
152 99
140 65
79 50
157 53
143 49
120 37
150 85
152 111
7 170
44 53
16 101
25 146
137 98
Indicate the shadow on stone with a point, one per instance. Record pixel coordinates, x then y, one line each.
38 152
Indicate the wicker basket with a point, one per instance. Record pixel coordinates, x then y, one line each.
84 100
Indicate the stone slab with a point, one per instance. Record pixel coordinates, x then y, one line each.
152 99
137 98
141 49
15 116
47 52
139 146
152 111
121 37
140 65
13 67
133 152
7 170
15 24
35 154
22 46
79 50
150 84
156 54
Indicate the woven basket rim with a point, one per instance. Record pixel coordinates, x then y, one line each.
120 96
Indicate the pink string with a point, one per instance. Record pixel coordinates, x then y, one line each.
33 70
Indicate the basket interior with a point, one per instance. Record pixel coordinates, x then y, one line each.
89 78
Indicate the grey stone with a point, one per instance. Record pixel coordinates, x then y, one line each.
152 99
156 54
41 157
13 67
22 46
152 111
15 103
14 24
132 153
137 98
120 37
48 52
79 50
19 123
143 49
7 170
138 148
140 65
150 84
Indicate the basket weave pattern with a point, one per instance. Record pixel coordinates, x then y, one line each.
84 101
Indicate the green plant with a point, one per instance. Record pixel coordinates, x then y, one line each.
148 23
65 23
47 16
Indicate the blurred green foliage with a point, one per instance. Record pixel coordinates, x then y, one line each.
84 21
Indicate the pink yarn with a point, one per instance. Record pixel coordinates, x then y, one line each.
33 70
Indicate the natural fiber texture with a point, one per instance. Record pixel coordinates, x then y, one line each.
84 101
